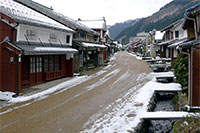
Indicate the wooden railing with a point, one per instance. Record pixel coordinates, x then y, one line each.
53 75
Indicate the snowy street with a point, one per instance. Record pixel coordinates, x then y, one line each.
110 100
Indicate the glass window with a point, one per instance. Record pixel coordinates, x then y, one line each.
39 64
57 63
32 64
176 34
46 64
68 39
51 63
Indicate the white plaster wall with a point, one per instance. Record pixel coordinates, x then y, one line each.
175 52
43 34
182 33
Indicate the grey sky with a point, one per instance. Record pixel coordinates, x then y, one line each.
113 10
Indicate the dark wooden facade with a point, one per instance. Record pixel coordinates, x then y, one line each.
195 99
10 68
40 69
18 71
6 30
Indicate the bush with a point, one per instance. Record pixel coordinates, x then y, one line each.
187 125
180 66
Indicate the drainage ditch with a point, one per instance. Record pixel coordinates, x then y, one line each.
161 101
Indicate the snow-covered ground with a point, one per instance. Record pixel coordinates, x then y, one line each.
137 57
127 114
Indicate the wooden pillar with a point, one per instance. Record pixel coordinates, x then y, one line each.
195 64
64 66
71 70
19 75
1 75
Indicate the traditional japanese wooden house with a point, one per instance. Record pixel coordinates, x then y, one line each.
83 34
179 36
192 48
169 39
33 48
100 27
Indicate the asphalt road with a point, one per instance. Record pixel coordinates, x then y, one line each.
79 108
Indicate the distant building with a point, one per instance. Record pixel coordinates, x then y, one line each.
100 27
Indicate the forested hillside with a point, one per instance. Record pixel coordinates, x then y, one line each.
119 27
166 15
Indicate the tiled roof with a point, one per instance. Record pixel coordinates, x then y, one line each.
42 49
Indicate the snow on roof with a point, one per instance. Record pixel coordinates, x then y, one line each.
178 43
94 24
75 25
167 42
23 14
52 49
43 49
159 35
93 45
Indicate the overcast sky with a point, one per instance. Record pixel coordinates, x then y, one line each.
113 10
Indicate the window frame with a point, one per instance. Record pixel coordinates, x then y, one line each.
53 37
31 34
68 39
176 34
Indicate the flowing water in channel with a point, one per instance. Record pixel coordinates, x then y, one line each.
164 103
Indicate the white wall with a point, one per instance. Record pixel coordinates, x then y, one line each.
182 33
42 34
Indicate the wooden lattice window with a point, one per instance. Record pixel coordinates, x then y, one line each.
32 64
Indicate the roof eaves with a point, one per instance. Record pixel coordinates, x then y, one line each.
192 43
172 25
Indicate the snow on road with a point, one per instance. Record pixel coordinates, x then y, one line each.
104 79
124 114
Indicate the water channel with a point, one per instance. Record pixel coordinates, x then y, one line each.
163 102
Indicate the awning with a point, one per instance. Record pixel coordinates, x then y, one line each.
192 43
88 45
177 43
166 42
30 49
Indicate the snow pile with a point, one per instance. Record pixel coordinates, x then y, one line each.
137 57
166 115
113 58
163 74
43 94
6 95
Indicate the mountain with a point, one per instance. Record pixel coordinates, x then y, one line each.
168 14
119 27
